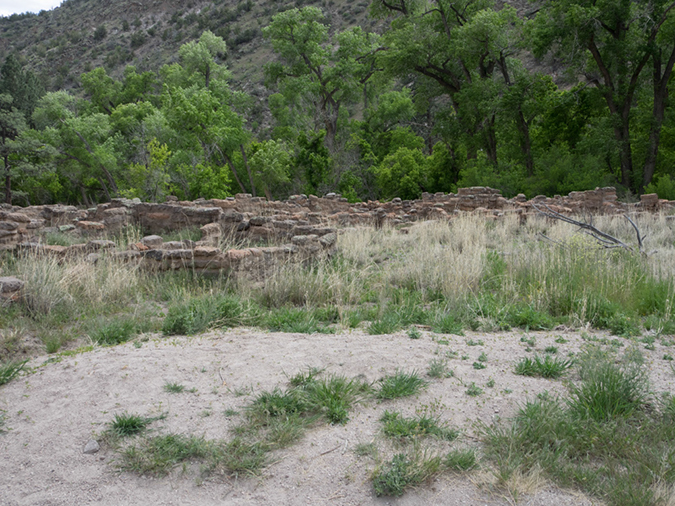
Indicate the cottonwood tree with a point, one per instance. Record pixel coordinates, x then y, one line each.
328 72
619 46
462 53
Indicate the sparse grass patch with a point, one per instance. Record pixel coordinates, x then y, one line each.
400 384
473 390
546 367
160 454
460 460
126 424
397 426
602 437
414 333
174 388
9 370
404 471
366 450
438 368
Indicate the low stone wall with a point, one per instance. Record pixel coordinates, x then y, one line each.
155 254
245 218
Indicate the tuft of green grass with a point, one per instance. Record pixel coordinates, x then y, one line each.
479 365
126 424
552 350
404 471
400 384
448 323
9 370
608 390
174 388
296 320
396 426
438 368
304 378
414 333
114 332
334 396
198 314
387 324
546 367
474 390
460 460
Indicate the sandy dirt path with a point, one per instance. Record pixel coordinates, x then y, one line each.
52 412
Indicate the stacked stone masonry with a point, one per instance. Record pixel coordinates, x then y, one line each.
304 226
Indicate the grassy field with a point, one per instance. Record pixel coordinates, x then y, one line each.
608 435
470 273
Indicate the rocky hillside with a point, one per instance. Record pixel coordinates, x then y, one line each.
83 34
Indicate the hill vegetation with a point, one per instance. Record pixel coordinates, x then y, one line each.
206 99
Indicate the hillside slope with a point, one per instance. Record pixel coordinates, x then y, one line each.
83 34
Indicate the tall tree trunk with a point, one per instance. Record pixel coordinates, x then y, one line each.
248 169
105 189
660 85
622 135
490 140
525 141
228 160
8 182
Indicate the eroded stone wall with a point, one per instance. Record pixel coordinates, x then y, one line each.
302 226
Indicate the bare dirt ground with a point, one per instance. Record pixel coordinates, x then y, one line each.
52 412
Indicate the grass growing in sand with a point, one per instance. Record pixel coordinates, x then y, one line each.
467 273
607 436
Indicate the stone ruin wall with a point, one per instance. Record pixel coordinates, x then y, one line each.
306 227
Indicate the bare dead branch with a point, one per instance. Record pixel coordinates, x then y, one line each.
603 238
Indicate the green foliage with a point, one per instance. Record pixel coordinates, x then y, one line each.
113 332
663 186
400 384
402 174
460 460
438 368
608 390
126 424
174 388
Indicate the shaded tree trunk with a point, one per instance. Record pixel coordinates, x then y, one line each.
248 169
660 85
8 182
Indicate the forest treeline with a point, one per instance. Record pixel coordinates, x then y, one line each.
447 95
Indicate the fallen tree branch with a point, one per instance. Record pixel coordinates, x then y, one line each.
604 239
